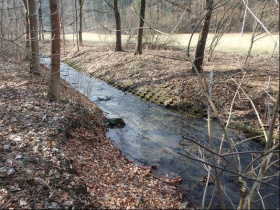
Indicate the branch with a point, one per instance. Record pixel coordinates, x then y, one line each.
230 171
262 155
257 19
109 4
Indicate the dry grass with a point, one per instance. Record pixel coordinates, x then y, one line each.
231 42
235 43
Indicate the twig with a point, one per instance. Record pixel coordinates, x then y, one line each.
230 171
256 112
257 19
261 198
248 152
262 155
229 198
205 190
218 184
209 150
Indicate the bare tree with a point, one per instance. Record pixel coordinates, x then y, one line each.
255 34
118 27
81 3
118 47
41 24
244 19
27 35
54 83
34 64
2 15
222 26
140 30
62 21
200 48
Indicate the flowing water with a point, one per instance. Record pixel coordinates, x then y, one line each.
153 136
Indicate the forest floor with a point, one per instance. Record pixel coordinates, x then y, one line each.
164 77
56 154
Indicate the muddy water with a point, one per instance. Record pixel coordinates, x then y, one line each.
153 136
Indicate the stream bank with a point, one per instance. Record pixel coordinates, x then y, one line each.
152 135
55 155
164 77
168 101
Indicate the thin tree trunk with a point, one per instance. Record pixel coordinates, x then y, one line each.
244 18
34 64
76 25
27 35
252 40
140 30
200 48
54 84
62 22
41 24
118 27
74 19
11 25
40 17
2 33
16 20
81 22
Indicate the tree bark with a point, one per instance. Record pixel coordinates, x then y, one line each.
27 35
118 27
2 33
35 63
62 22
200 48
41 24
76 25
81 2
54 83
27 41
140 30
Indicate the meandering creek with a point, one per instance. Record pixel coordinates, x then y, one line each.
152 135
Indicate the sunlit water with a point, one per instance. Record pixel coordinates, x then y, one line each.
153 136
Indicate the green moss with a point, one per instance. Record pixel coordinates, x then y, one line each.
142 95
160 100
249 132
153 100
192 111
138 93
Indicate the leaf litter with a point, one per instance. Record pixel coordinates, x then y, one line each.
56 154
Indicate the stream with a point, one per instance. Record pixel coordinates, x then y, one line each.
152 135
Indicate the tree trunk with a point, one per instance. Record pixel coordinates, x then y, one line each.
54 83
118 27
81 23
200 48
140 30
35 63
76 25
244 19
27 35
41 25
62 22
2 32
